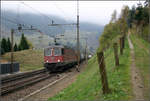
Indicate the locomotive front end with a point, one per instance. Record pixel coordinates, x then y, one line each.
52 58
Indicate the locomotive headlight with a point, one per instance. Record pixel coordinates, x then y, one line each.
58 60
90 56
47 61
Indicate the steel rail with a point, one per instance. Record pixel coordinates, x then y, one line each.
16 86
20 76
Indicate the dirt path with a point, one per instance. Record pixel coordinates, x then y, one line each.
55 88
137 83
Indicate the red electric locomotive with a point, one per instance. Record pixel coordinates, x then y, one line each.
57 57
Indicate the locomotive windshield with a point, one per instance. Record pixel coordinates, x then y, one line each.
48 52
53 51
57 51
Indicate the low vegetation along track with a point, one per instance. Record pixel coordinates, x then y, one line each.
14 82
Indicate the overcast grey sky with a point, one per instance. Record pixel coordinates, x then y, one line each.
98 12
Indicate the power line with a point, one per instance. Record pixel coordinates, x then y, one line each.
9 20
78 36
42 13
61 11
39 13
36 11
18 14
23 25
16 23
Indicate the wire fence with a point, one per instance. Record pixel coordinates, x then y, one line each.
101 62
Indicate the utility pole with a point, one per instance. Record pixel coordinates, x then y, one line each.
78 41
12 49
12 43
78 37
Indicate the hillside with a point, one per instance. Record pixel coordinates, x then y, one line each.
88 84
28 59
119 78
10 20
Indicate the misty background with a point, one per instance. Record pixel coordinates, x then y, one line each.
93 17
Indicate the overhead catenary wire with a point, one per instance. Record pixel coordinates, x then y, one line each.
36 11
18 14
42 13
11 21
61 10
24 25
18 21
64 14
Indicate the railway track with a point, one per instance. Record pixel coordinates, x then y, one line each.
15 82
11 78
18 81
26 86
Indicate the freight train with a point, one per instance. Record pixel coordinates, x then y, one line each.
59 57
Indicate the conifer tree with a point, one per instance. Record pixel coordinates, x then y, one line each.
23 43
9 45
1 48
15 47
4 45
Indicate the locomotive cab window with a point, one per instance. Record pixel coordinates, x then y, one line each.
47 52
57 51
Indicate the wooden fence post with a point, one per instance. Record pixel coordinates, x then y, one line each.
103 74
121 46
116 54
123 42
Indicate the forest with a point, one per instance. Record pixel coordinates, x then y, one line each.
6 44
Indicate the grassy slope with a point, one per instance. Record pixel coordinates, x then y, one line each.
142 59
28 59
88 84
